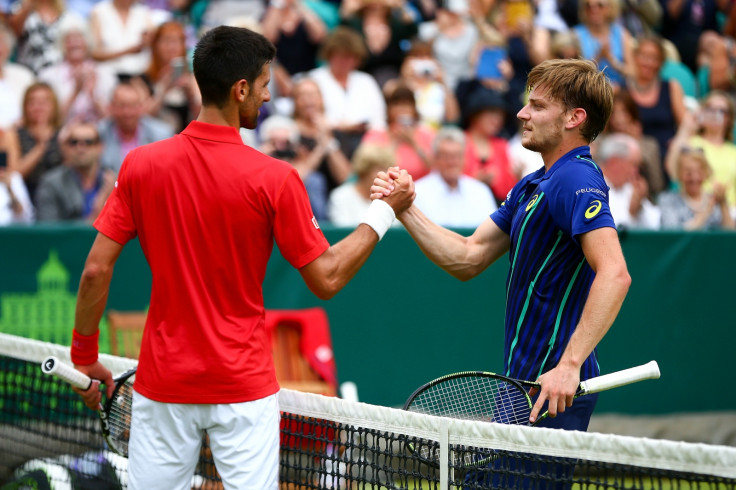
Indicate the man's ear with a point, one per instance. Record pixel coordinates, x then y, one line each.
241 89
576 117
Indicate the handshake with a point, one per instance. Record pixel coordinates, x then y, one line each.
392 193
394 183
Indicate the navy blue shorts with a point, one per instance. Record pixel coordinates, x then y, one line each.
512 470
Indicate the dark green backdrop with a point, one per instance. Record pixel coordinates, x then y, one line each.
402 321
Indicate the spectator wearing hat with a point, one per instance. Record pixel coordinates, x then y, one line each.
487 154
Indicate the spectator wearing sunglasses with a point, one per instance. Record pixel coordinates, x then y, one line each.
78 188
710 129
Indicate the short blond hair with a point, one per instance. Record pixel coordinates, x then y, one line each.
368 156
344 40
695 154
576 83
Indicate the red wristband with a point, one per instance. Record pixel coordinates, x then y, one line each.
84 348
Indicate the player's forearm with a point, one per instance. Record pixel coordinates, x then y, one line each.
604 301
331 271
447 249
94 287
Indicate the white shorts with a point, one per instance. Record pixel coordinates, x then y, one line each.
165 443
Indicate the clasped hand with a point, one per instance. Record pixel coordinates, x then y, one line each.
396 187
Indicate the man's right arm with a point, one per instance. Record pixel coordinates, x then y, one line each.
330 272
460 256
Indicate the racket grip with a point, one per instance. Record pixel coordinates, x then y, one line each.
649 370
64 371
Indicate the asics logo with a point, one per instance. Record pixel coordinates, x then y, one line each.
593 209
532 201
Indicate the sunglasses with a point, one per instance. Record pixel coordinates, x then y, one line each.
82 141
716 110
692 150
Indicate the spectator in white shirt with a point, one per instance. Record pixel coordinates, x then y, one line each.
349 201
14 80
447 196
353 100
619 157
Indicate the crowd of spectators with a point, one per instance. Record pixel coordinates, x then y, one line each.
359 85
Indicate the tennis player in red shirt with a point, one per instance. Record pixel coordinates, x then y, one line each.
207 209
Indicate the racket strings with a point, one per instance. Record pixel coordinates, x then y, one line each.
473 397
119 418
476 398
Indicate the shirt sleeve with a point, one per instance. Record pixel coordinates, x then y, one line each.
581 202
116 218
296 230
505 212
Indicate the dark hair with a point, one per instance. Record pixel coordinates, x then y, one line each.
225 55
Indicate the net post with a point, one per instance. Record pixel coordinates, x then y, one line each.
445 456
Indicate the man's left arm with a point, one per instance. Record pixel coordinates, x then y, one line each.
94 287
607 292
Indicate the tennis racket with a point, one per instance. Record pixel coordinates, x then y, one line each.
115 413
490 397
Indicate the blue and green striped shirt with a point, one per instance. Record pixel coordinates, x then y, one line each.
549 278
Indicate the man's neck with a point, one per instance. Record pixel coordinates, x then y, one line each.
227 116
551 157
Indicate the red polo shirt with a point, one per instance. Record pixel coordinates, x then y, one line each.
206 209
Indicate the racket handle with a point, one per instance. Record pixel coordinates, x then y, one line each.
649 370
64 371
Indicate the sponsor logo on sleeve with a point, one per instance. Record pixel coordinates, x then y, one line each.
593 209
314 222
590 189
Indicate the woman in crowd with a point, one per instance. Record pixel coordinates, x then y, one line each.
36 25
296 31
385 25
120 31
692 207
711 129
15 203
316 135
661 103
487 153
175 97
625 119
82 87
436 103
410 141
37 136
604 39
353 100
348 203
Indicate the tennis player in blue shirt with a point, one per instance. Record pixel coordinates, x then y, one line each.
567 277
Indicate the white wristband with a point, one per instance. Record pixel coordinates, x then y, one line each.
379 216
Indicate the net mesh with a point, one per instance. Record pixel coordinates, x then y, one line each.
47 434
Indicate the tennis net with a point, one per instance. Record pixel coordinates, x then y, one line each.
46 433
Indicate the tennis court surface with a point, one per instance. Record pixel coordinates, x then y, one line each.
329 443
